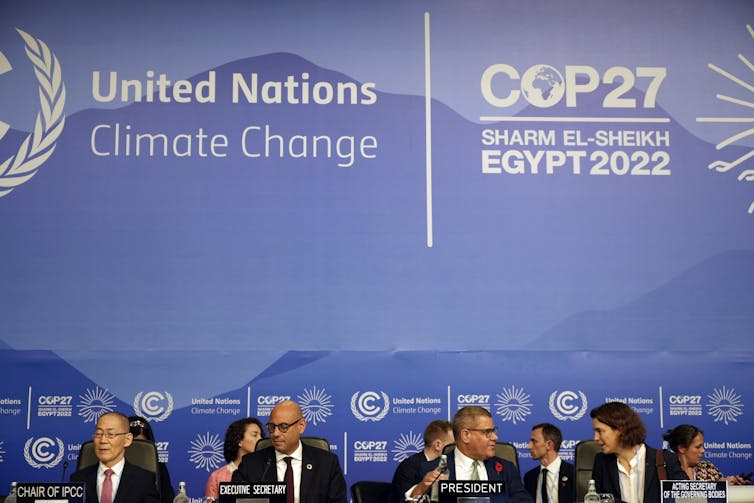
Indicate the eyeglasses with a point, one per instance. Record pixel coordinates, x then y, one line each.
487 432
283 427
97 435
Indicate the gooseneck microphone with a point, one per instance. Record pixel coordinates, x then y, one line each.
442 467
65 468
267 465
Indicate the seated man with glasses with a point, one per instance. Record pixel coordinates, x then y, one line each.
311 474
113 479
474 455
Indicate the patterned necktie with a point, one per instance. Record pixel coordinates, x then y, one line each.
288 479
107 488
475 470
545 498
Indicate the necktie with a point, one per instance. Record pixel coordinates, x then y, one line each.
288 478
107 488
543 491
475 470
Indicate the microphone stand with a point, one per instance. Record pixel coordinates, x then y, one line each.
441 468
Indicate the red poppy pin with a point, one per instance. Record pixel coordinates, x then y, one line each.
499 467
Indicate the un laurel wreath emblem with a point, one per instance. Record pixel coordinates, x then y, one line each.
154 405
40 143
564 405
366 406
37 455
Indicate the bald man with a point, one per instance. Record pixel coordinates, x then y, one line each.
315 474
113 479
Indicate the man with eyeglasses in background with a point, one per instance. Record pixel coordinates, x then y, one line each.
313 474
474 455
113 479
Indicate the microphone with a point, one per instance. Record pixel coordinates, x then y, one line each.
442 467
65 467
267 465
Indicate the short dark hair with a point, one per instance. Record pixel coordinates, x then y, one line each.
466 416
623 418
436 429
140 426
681 436
235 433
550 432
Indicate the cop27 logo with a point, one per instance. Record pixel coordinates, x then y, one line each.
568 405
153 405
406 445
725 405
39 144
207 452
43 452
513 404
741 77
95 404
316 405
370 405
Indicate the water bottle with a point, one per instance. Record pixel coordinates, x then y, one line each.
591 495
181 497
11 498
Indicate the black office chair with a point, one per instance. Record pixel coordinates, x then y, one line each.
368 491
141 453
318 442
584 455
504 450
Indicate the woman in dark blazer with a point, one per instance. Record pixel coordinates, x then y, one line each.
627 467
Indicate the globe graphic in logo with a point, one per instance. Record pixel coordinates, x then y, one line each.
542 85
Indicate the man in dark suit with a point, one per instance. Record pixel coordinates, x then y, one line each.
544 445
113 479
313 474
416 473
474 456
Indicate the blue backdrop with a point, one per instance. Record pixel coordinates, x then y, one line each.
384 211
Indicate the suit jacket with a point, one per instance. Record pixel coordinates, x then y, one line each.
411 471
566 492
498 469
605 474
136 485
322 479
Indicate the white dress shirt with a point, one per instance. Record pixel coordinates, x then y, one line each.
632 485
115 477
465 466
553 472
296 463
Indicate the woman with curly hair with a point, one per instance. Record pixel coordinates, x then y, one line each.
240 439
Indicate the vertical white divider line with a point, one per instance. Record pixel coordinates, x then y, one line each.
448 403
428 128
662 417
248 401
345 453
28 411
